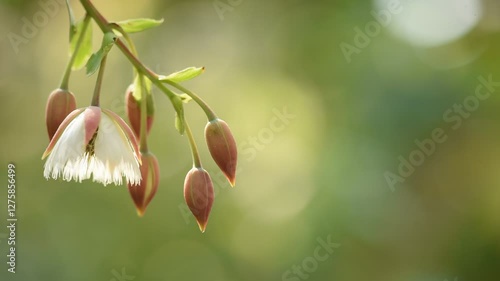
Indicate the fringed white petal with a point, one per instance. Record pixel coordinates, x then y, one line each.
66 153
114 157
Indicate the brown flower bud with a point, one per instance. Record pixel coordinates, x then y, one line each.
222 147
59 104
199 195
133 109
144 192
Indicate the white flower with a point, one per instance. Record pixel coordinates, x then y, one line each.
97 142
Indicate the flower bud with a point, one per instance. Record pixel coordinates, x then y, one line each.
199 195
59 104
222 147
144 192
133 109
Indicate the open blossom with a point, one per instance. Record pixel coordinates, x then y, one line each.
93 142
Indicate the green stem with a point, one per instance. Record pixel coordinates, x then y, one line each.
92 11
171 95
105 27
194 148
70 14
130 43
126 36
144 112
208 111
67 72
141 68
98 83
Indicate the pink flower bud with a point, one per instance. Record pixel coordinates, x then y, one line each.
134 112
222 147
144 192
199 195
59 104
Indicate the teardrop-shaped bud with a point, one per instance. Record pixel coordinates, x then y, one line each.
133 109
59 104
222 147
143 193
199 195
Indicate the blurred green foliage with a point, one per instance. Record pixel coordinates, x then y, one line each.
315 174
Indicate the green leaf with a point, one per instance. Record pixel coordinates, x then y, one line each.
179 114
96 58
94 62
183 75
179 124
85 50
138 89
137 93
138 25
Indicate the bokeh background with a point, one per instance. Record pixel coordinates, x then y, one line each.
324 102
